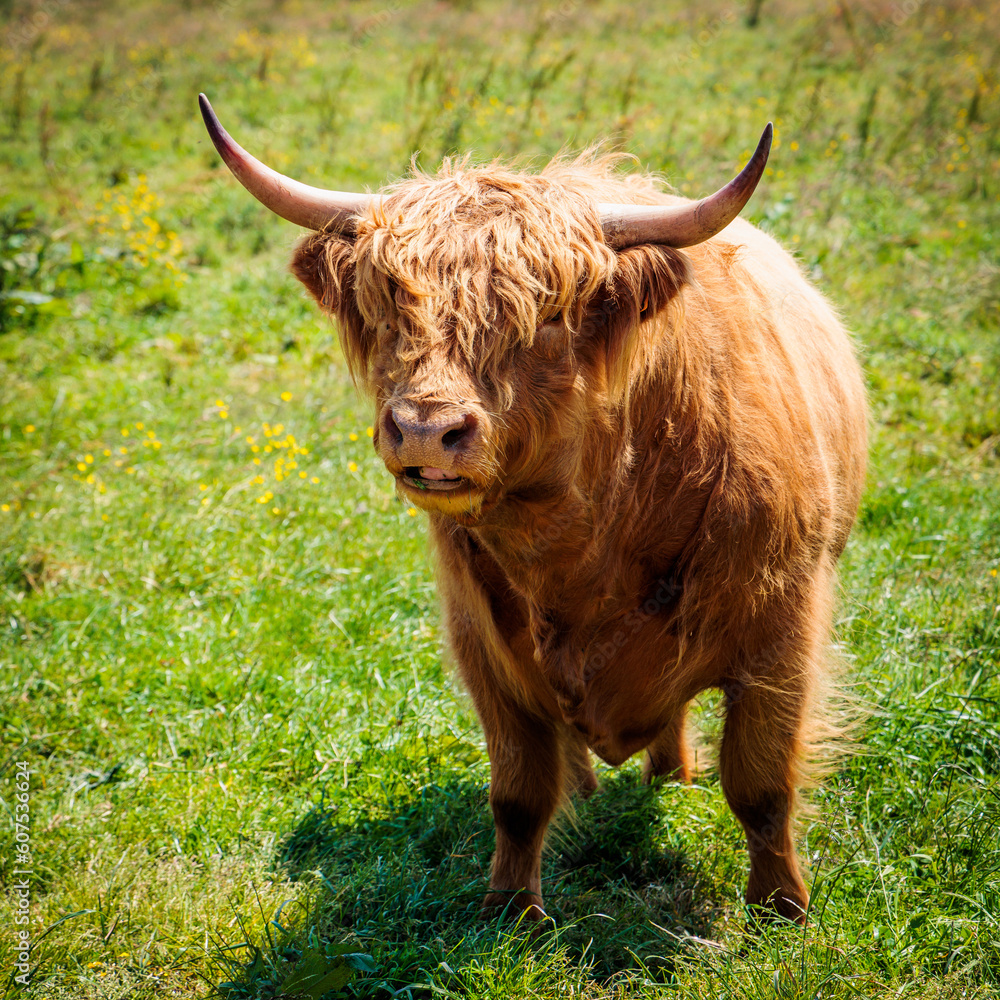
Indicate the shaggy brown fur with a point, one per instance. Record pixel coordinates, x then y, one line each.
661 454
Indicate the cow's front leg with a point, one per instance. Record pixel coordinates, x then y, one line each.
526 784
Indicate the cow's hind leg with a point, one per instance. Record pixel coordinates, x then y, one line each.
580 777
668 755
762 750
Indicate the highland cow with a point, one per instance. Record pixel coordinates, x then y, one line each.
639 433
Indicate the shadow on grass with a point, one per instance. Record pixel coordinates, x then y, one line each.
403 879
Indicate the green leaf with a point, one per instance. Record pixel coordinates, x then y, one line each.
334 980
360 961
312 965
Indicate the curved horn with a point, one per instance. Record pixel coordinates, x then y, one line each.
685 225
310 207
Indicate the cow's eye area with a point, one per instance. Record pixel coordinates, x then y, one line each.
551 336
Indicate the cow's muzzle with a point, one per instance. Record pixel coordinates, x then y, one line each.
430 450
428 440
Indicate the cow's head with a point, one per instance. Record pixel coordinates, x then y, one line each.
491 313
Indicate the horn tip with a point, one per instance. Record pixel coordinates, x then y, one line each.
207 111
755 166
766 136
219 136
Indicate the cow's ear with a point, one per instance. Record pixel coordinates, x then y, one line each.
646 279
324 263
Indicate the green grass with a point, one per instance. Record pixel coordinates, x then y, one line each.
249 764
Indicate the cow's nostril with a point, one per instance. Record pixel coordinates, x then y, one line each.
392 428
454 436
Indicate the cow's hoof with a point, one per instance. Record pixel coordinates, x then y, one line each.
661 773
777 910
518 908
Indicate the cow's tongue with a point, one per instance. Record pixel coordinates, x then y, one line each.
427 472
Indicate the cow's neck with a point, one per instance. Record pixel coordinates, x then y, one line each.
563 540
552 535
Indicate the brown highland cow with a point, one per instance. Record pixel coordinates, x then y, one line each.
640 463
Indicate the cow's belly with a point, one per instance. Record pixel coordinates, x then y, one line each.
637 682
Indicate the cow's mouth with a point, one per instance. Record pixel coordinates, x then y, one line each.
423 477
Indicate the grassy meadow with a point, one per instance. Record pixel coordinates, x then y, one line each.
251 774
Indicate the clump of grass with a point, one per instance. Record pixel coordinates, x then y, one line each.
284 961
